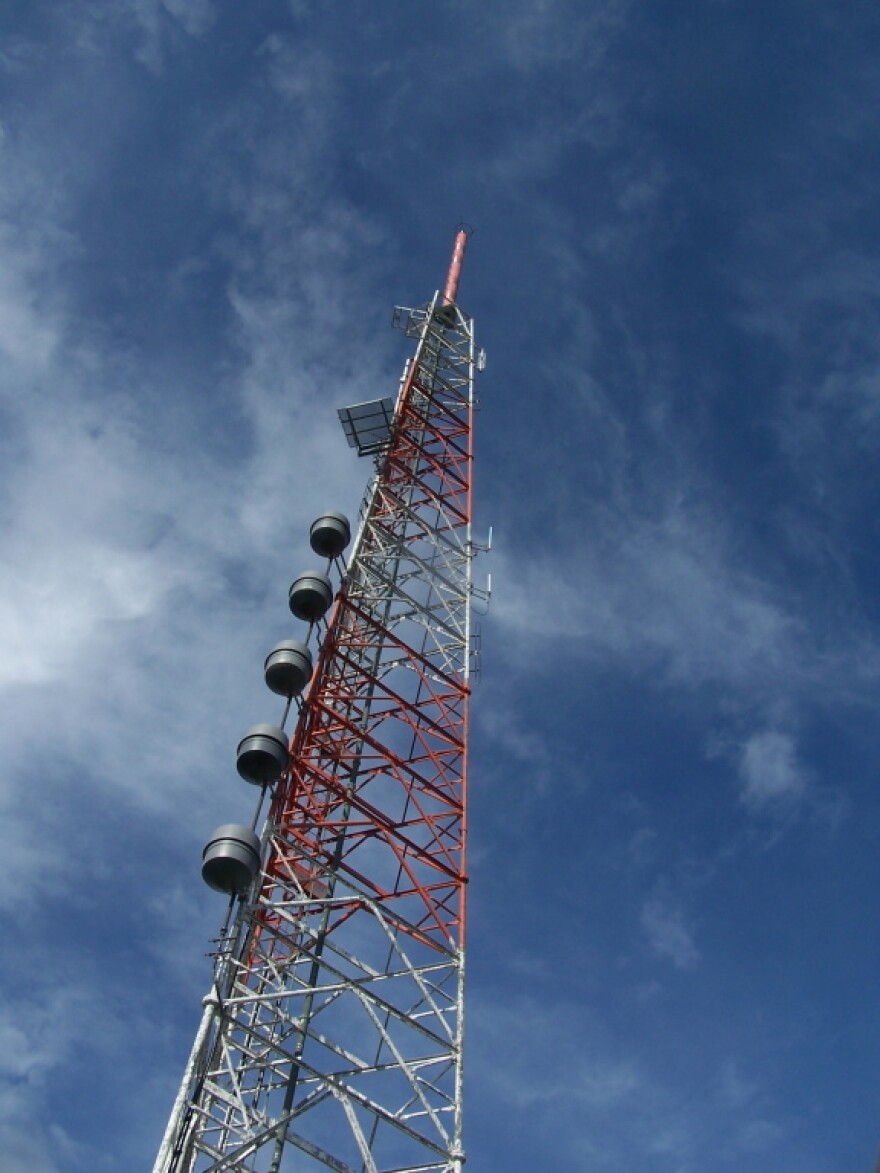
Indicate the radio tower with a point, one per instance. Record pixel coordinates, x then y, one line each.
332 1034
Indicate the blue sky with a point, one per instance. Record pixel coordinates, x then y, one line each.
207 211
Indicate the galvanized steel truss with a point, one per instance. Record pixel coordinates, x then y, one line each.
332 1037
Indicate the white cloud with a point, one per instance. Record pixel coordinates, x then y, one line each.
769 770
663 921
145 570
24 1151
564 1068
81 504
196 16
145 573
602 1098
665 591
40 1028
35 1035
28 335
735 1090
156 18
756 1136
545 33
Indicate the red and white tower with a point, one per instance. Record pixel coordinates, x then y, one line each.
332 1034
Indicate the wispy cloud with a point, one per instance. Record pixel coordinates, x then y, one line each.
147 547
577 1091
668 933
157 21
544 34
199 213
569 1070
770 771
37 1034
662 589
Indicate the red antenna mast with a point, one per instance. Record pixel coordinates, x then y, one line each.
334 1025
450 291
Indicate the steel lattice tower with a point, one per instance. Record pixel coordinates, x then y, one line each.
332 1035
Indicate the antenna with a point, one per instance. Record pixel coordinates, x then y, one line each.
332 1036
450 291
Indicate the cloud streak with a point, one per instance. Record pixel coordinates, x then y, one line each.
205 214
769 770
668 934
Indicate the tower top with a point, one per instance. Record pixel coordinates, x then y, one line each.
450 291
